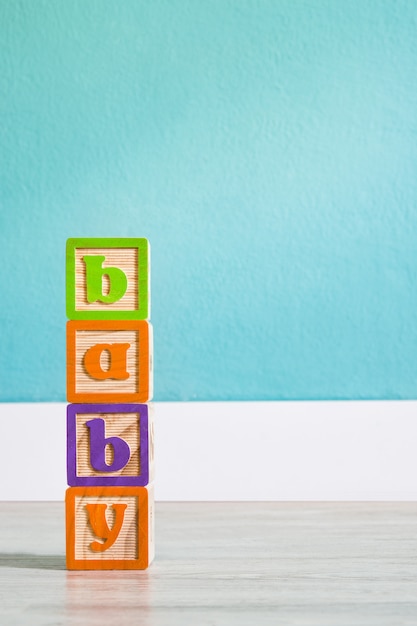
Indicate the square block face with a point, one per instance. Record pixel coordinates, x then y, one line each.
109 527
108 279
109 444
109 361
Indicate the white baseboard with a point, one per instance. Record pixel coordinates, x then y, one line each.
236 451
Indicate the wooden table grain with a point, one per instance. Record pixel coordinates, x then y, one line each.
338 564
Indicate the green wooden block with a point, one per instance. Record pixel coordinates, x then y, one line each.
108 279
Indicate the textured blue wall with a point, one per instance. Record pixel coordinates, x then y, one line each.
267 149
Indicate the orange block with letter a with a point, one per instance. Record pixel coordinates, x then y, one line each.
109 361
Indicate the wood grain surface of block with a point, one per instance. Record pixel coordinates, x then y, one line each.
109 527
109 361
110 444
108 278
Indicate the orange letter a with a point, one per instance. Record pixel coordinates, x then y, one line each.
98 522
117 369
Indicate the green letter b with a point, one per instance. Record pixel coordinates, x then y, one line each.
94 273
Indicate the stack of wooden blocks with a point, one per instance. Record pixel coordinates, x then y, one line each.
109 502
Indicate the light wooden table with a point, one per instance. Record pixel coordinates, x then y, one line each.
222 563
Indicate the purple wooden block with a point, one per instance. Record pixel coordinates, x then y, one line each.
109 444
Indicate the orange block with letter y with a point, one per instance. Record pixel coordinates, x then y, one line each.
109 527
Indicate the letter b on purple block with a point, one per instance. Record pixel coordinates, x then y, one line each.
109 444
98 445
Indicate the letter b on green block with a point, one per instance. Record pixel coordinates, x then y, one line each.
94 275
98 289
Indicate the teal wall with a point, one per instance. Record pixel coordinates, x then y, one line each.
268 150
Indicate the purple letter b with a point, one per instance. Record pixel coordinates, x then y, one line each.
98 443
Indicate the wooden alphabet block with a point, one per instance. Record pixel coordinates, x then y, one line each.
109 361
108 279
109 527
109 444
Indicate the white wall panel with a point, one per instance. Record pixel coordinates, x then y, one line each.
236 451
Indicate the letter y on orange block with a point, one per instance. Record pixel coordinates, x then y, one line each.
98 522
96 541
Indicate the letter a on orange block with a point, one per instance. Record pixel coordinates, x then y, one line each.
98 523
117 369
